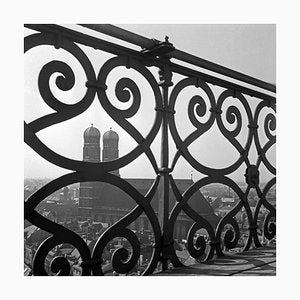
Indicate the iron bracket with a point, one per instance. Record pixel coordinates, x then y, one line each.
159 48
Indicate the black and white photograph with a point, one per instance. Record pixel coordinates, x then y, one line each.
143 158
142 140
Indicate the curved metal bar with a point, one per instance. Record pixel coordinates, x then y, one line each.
39 147
63 235
60 235
66 111
269 124
202 128
231 238
226 220
64 82
200 105
200 222
123 87
233 115
269 231
262 157
182 204
119 230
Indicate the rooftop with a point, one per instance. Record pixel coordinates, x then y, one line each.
255 262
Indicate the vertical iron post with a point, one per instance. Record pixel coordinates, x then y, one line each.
165 76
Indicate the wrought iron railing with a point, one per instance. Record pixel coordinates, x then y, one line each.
155 54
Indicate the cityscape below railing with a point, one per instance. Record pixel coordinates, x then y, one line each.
92 221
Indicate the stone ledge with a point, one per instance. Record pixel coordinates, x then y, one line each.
255 262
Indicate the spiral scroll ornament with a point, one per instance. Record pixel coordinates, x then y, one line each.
232 230
127 91
270 126
92 263
196 247
124 89
233 116
64 82
197 105
231 236
270 226
197 109
59 265
269 223
122 261
269 130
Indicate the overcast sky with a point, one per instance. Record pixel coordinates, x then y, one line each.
246 48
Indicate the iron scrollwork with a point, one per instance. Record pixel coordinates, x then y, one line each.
83 171
233 115
127 90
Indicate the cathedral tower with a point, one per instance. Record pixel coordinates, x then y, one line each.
91 147
111 148
87 190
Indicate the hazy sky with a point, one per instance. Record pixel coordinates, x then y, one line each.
246 48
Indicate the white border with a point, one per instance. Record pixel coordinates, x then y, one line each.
220 12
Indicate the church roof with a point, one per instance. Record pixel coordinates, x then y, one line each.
91 132
110 135
113 197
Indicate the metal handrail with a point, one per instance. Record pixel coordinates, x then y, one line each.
147 43
116 49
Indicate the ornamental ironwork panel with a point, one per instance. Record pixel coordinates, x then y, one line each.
203 115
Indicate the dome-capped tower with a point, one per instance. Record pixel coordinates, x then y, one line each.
111 147
91 153
91 148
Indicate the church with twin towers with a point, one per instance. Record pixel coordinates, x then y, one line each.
103 202
92 149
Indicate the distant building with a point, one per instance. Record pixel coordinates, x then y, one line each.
228 200
103 202
60 204
28 190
